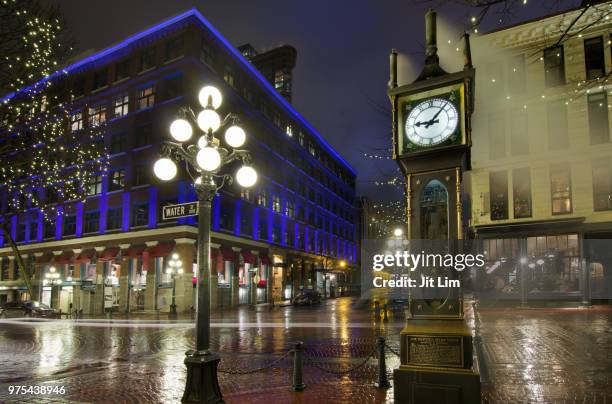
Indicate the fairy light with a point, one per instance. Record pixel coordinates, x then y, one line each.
46 163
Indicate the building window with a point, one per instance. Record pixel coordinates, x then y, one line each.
246 222
228 76
94 186
140 214
290 209
142 135
516 74
69 225
311 149
602 185
21 232
206 53
497 136
122 70
91 223
594 58
48 229
276 233
246 194
262 198
100 78
145 97
519 135
263 226
76 121
301 138
117 143
174 47
33 231
277 120
276 203
121 105
289 130
521 190
147 59
97 115
141 175
113 218
172 87
561 190
78 88
554 67
498 186
598 118
116 180
4 271
556 113
282 81
226 217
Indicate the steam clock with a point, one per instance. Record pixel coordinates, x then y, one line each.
431 144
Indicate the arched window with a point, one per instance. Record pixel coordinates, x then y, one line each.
434 211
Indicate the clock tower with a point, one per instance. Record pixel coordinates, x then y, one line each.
431 144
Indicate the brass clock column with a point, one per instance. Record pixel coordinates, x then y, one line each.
431 144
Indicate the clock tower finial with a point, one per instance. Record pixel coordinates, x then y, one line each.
432 61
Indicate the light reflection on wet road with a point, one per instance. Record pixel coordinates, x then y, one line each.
530 355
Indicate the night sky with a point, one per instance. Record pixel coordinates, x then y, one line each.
342 65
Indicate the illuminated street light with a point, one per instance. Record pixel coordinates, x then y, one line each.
398 232
204 160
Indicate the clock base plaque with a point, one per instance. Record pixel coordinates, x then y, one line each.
436 364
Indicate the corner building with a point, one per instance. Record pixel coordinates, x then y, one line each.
268 242
541 181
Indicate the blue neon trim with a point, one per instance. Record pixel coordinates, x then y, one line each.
246 64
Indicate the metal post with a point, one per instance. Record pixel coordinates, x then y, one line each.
385 318
202 385
523 302
586 284
298 384
173 305
383 381
376 310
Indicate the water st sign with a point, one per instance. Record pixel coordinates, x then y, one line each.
170 212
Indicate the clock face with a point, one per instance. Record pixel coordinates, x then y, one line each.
431 122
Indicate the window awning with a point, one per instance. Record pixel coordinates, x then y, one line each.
249 258
135 250
64 258
228 254
85 256
46 257
161 249
265 260
109 254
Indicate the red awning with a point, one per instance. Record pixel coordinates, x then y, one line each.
46 257
64 258
228 254
265 260
84 256
109 254
161 249
134 251
249 258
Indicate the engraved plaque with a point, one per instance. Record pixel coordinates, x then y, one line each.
435 351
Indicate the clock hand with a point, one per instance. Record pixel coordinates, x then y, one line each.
429 123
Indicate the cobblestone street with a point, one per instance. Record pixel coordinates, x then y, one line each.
547 355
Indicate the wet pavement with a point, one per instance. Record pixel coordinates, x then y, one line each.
528 356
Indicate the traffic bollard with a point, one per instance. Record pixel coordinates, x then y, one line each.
385 318
383 381
298 384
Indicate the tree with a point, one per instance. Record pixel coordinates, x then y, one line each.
47 160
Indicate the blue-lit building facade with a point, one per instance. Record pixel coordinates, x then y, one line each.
296 229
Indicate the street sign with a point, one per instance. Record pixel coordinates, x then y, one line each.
181 210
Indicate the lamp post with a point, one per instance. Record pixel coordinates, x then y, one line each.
53 278
174 269
203 161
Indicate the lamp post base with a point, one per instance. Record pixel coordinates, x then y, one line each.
202 385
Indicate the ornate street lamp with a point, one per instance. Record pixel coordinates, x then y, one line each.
204 159
174 269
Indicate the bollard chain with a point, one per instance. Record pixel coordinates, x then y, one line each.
341 372
259 369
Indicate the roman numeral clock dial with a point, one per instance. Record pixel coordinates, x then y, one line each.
431 122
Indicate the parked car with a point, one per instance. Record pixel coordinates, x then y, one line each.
28 308
307 297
